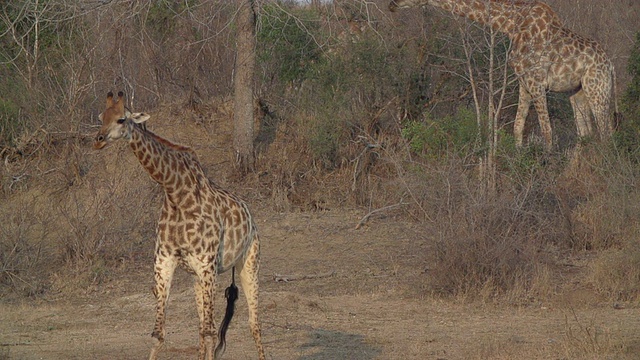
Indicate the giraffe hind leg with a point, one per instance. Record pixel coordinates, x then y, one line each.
249 282
582 114
600 104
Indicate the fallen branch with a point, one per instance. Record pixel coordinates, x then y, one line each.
372 212
287 278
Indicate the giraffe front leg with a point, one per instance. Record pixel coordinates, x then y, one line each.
249 283
164 268
524 103
540 103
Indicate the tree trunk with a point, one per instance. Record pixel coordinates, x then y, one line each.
243 86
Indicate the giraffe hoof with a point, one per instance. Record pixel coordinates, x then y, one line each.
157 336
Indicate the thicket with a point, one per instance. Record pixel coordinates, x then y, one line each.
357 107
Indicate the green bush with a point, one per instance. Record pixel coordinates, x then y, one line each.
519 163
628 134
10 124
435 138
161 18
342 89
287 42
631 99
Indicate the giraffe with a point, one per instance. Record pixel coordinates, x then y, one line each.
203 228
546 57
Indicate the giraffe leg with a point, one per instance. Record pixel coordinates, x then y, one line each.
539 96
582 114
205 286
249 282
164 268
199 292
598 95
524 103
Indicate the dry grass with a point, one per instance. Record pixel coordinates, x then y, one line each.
589 339
616 273
25 246
74 231
95 212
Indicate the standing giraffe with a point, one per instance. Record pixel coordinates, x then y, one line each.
546 57
203 228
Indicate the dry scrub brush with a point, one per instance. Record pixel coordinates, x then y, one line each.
589 339
24 249
367 116
78 219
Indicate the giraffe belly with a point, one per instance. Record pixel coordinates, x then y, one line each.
565 75
564 84
196 264
228 256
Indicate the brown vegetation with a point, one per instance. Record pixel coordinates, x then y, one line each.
372 117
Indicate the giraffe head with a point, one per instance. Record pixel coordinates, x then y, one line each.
116 121
402 4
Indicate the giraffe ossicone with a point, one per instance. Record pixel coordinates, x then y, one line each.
202 227
545 56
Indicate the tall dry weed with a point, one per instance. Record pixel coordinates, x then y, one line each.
615 272
588 339
601 198
25 250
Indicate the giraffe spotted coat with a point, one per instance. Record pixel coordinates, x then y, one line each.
202 227
545 56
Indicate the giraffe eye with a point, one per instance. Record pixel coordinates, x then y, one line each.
120 121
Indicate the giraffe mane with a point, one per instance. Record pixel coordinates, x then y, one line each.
167 143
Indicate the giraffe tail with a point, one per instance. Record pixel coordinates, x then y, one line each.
231 293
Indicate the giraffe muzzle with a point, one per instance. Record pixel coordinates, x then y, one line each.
99 142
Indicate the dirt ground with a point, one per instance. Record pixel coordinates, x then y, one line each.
354 294
374 306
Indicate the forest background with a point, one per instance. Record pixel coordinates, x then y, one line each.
355 107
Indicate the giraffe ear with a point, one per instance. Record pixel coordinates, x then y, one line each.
120 102
139 118
109 99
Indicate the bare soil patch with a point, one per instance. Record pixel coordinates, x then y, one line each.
375 306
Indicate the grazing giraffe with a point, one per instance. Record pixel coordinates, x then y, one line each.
546 57
203 228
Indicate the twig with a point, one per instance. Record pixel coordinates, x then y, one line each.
287 278
372 212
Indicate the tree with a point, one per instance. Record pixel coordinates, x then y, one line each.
243 85
486 56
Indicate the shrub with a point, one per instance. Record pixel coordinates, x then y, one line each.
287 42
492 247
161 17
435 138
629 129
10 124
631 98
343 90
616 273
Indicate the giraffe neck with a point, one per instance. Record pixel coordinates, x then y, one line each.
501 16
175 167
